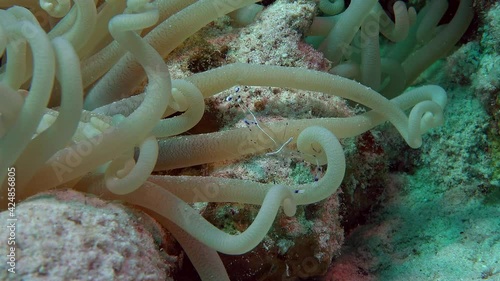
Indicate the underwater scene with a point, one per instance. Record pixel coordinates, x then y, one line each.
276 140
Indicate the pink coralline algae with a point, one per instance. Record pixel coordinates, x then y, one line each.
66 235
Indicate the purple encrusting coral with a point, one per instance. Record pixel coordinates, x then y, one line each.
66 235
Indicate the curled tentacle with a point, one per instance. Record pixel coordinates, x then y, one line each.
179 212
331 7
191 97
134 174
